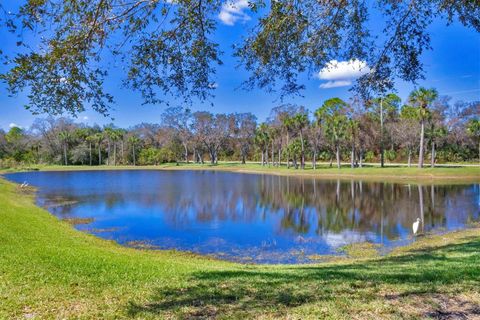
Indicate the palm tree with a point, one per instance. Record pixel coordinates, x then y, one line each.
121 136
91 138
332 115
387 105
262 140
112 136
65 138
287 125
422 99
98 137
82 134
133 140
353 125
473 130
115 135
300 121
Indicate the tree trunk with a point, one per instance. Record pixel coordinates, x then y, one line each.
361 158
279 156
99 155
288 153
243 158
65 153
133 154
266 156
382 151
432 156
263 157
422 138
114 153
314 159
186 152
352 160
409 157
123 151
90 152
302 160
108 153
212 157
273 154
338 156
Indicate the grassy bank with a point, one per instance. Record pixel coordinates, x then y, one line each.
391 173
49 270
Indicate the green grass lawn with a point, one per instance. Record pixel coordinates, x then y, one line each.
50 270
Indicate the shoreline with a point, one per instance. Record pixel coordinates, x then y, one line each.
49 269
437 175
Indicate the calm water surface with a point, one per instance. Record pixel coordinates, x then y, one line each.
249 217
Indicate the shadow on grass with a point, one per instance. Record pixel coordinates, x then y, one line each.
247 291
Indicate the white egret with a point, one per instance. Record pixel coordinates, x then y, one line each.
415 226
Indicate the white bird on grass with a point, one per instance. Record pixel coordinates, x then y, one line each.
24 184
415 226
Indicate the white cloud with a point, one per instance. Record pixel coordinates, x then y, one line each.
342 73
14 125
85 118
233 11
336 84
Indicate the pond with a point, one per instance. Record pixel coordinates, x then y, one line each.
249 217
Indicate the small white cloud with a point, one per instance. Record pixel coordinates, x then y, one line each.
85 118
213 85
14 125
342 73
336 84
233 11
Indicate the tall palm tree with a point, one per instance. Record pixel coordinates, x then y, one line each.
98 137
262 140
65 137
387 105
332 115
287 123
109 132
91 138
134 141
300 122
115 135
422 98
121 136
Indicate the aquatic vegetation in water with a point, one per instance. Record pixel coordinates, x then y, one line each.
77 221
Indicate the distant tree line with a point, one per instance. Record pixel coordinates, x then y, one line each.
382 129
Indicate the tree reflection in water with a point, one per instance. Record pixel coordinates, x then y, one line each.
244 215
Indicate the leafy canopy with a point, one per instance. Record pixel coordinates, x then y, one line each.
168 49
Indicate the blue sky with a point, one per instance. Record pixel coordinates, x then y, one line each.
453 67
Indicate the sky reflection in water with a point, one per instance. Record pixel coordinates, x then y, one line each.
249 217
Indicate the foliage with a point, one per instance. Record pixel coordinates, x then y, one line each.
169 51
347 130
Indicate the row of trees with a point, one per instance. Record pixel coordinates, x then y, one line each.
379 129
